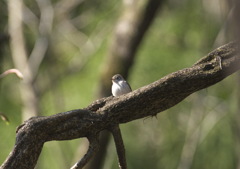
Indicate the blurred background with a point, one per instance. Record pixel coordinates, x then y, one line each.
68 50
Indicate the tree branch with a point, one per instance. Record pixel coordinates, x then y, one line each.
93 148
116 132
102 114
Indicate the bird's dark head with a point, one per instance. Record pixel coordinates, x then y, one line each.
117 78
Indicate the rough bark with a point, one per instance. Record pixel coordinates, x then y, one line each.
104 113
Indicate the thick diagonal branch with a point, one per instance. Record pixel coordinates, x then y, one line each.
102 114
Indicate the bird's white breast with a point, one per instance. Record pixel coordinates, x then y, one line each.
120 88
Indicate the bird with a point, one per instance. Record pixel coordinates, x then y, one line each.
119 85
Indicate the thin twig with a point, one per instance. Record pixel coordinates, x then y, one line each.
116 132
92 149
10 71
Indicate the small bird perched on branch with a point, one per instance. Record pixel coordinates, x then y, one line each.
120 85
